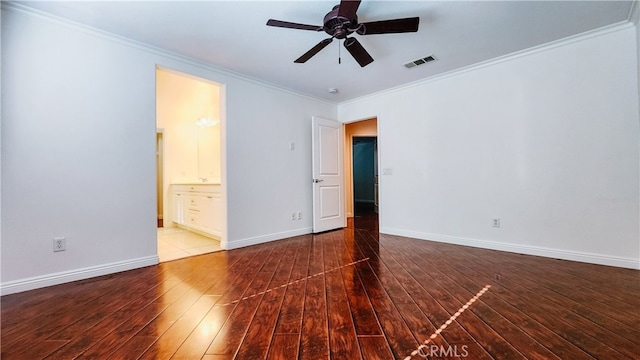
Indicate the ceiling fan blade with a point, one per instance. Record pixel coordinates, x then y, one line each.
314 50
348 8
389 26
358 52
290 25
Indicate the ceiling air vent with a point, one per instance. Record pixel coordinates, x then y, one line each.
420 61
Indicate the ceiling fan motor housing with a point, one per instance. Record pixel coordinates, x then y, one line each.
341 22
339 26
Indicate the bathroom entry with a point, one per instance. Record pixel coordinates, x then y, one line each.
188 113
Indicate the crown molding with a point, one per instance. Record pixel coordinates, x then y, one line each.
620 26
633 19
12 6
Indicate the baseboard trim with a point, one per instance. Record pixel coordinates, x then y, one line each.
37 282
235 244
579 256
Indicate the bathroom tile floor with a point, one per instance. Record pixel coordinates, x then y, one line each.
176 243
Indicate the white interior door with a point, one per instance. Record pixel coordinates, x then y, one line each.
328 177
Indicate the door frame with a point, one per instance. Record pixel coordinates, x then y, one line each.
189 73
160 175
349 197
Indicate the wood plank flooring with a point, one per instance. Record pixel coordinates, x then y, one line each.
345 294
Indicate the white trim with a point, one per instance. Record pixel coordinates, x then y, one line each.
592 258
500 59
37 282
236 244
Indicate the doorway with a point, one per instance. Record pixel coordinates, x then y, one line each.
189 154
365 175
361 172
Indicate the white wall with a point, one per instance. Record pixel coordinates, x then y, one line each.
546 141
78 152
78 129
635 18
267 181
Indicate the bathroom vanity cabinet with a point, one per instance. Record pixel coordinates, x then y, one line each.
197 207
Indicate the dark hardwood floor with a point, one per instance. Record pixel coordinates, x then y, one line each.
346 294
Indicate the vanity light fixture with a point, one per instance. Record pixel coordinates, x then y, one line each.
204 122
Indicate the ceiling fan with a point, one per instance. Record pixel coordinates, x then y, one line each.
341 22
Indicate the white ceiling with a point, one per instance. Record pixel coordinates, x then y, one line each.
233 35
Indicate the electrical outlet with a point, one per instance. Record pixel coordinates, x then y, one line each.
59 244
299 215
293 216
496 222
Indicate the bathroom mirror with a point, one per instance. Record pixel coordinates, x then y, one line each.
209 152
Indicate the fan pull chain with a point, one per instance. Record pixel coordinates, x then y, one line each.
339 58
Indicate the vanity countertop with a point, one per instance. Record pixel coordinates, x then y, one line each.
195 183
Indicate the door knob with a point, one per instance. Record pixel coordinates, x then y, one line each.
317 180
